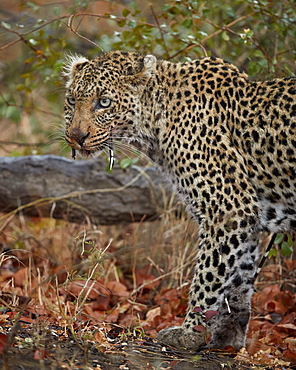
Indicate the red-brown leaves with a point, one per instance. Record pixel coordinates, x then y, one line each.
58 286
3 340
272 299
273 329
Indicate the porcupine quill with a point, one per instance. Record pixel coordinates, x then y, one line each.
111 155
73 155
111 158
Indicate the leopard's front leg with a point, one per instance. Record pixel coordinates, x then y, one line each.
221 290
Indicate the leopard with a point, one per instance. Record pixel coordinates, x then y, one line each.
225 142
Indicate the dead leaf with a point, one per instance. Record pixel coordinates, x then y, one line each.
151 314
129 320
20 276
112 317
290 264
209 314
143 277
163 322
200 328
287 326
40 354
271 299
102 303
3 341
118 289
91 288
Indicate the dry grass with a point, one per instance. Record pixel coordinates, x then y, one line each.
41 255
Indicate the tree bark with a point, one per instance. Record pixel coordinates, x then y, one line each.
79 190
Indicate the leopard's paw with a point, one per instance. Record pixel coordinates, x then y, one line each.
179 338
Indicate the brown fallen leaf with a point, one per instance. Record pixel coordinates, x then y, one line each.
143 277
91 288
151 314
40 354
3 341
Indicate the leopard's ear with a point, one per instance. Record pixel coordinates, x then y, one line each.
73 64
140 79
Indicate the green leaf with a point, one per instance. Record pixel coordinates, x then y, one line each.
121 22
6 25
33 6
12 113
225 36
279 238
20 87
166 7
29 60
263 63
15 153
206 13
187 23
108 169
132 24
125 12
174 10
290 241
272 253
26 75
57 10
127 162
286 249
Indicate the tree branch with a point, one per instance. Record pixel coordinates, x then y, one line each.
52 186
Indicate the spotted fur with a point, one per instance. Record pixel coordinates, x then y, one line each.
226 143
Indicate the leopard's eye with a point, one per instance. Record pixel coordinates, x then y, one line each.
71 100
103 103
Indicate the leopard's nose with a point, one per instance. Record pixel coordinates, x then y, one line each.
79 136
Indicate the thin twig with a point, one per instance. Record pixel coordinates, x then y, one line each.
8 104
161 31
70 19
27 144
22 38
29 32
219 30
70 22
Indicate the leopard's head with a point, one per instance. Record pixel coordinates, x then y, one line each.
103 96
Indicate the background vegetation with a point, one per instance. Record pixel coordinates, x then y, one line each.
257 35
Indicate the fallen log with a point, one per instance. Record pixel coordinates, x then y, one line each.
78 190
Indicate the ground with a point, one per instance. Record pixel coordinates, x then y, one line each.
89 297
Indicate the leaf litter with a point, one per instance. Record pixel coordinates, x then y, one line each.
60 291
